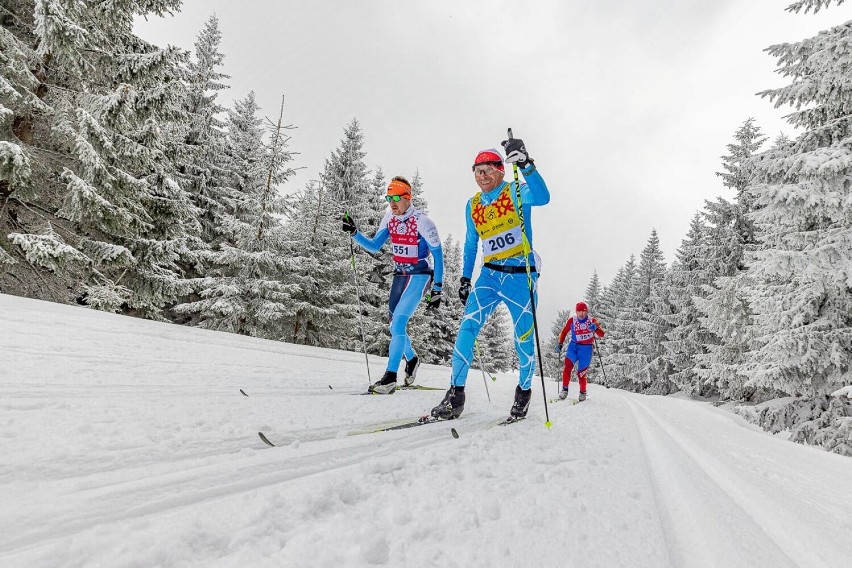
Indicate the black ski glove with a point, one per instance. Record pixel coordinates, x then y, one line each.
464 289
516 152
349 224
433 300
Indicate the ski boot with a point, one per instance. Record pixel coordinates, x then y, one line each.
582 397
385 385
411 371
452 405
521 404
563 394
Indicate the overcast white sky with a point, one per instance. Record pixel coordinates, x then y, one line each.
625 106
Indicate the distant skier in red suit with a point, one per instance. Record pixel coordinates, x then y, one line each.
583 330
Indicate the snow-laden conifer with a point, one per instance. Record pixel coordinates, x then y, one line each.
799 283
720 271
243 291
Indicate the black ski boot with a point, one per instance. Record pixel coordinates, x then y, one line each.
411 371
452 405
521 404
385 385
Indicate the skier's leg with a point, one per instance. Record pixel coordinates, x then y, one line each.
408 295
585 359
566 373
581 377
407 350
515 293
481 302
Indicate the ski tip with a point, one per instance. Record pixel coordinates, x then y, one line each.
329 386
243 392
265 440
549 424
454 433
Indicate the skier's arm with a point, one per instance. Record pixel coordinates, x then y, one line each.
438 257
599 330
375 244
565 330
534 191
471 244
429 232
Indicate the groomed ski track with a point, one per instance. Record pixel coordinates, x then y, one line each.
128 443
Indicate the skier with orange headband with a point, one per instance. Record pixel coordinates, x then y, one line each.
414 238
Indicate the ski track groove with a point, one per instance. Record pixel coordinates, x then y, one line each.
186 488
698 481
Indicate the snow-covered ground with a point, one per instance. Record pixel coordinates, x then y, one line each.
127 443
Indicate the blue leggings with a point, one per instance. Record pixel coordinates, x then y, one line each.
491 288
406 292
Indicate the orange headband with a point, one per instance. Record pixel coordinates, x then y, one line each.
397 187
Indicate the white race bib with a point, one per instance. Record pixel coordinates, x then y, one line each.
495 244
404 253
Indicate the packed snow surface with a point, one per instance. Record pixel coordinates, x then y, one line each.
128 443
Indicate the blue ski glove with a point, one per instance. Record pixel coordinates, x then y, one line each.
559 348
464 289
592 327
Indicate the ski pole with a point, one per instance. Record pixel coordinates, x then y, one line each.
482 368
527 251
489 373
358 295
600 360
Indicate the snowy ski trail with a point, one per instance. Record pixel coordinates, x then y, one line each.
127 443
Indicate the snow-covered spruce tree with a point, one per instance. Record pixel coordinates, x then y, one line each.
640 327
345 177
345 186
687 338
326 309
612 303
110 198
18 104
721 271
418 198
243 292
593 293
799 282
30 159
199 139
324 301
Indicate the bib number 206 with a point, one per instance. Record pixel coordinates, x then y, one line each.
501 242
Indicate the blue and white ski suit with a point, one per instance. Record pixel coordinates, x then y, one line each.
412 273
493 285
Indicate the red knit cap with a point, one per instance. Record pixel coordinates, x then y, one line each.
491 156
581 307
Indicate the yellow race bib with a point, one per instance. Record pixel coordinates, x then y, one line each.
498 225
